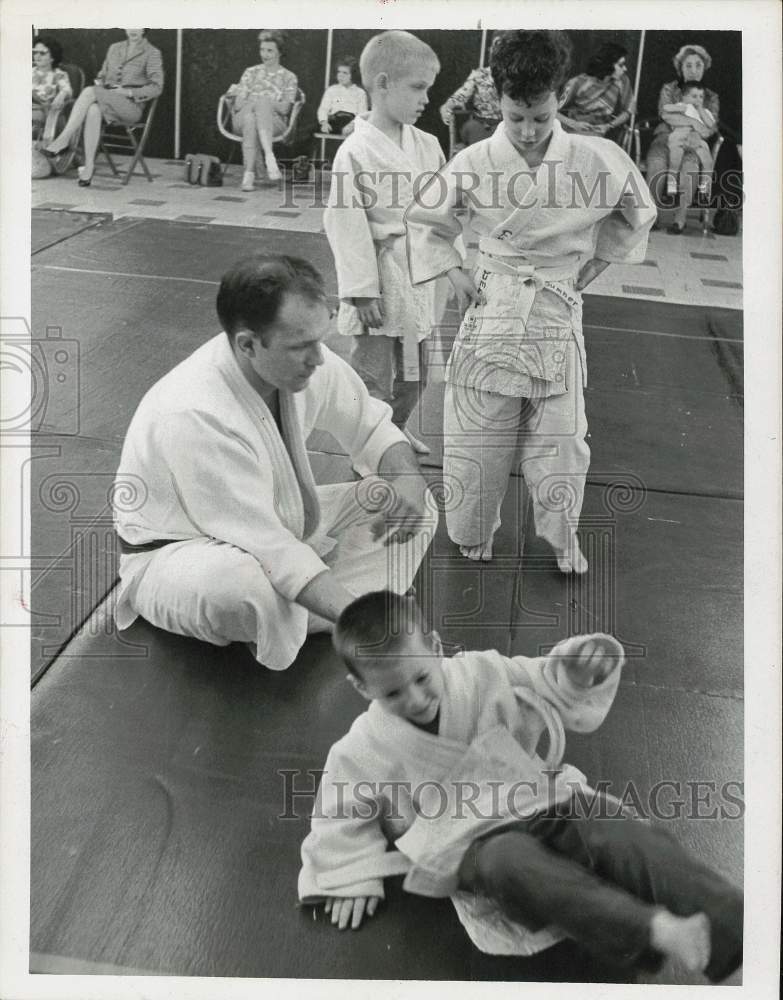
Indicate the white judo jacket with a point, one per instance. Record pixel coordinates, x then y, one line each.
207 459
432 795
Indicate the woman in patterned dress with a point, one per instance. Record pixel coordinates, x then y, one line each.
478 96
599 101
263 99
51 86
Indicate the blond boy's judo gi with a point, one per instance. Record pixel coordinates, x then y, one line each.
433 795
373 180
517 371
228 525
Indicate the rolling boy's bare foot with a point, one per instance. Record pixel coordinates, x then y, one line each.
686 939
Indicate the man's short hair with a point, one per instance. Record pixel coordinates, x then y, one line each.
690 85
527 64
395 53
252 291
375 625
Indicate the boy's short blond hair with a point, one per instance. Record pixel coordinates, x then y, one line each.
395 53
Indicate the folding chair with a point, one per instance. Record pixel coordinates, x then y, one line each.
129 140
225 125
323 138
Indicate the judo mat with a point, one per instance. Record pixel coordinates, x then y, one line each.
158 763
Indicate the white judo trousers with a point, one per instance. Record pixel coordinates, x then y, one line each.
489 436
227 525
517 369
218 593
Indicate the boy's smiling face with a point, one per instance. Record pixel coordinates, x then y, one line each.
407 682
406 97
529 126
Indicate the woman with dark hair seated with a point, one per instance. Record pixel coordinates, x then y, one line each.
51 85
599 101
131 75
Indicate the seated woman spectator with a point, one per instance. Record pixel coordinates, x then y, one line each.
343 101
51 86
479 97
599 101
263 99
131 75
690 62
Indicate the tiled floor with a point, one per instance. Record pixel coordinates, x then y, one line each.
696 268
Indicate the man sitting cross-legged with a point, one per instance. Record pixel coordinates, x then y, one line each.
231 539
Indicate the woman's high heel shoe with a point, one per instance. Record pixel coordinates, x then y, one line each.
84 182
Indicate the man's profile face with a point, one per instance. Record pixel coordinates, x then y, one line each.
293 344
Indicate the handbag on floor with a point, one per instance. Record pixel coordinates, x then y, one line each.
203 169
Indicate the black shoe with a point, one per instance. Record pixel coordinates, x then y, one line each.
676 229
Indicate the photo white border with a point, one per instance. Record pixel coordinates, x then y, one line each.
760 21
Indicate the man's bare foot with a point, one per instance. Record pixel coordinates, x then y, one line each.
478 553
571 560
418 446
686 939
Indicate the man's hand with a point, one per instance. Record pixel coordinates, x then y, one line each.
407 513
325 127
370 311
465 288
405 506
351 910
590 272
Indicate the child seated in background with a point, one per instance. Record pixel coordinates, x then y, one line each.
520 837
691 124
374 175
343 101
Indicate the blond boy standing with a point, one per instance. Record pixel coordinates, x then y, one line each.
374 177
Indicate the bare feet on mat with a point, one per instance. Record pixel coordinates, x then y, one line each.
571 560
686 939
418 446
478 553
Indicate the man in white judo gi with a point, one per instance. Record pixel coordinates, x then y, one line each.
231 540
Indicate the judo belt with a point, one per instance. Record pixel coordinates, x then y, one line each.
533 276
127 549
390 270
